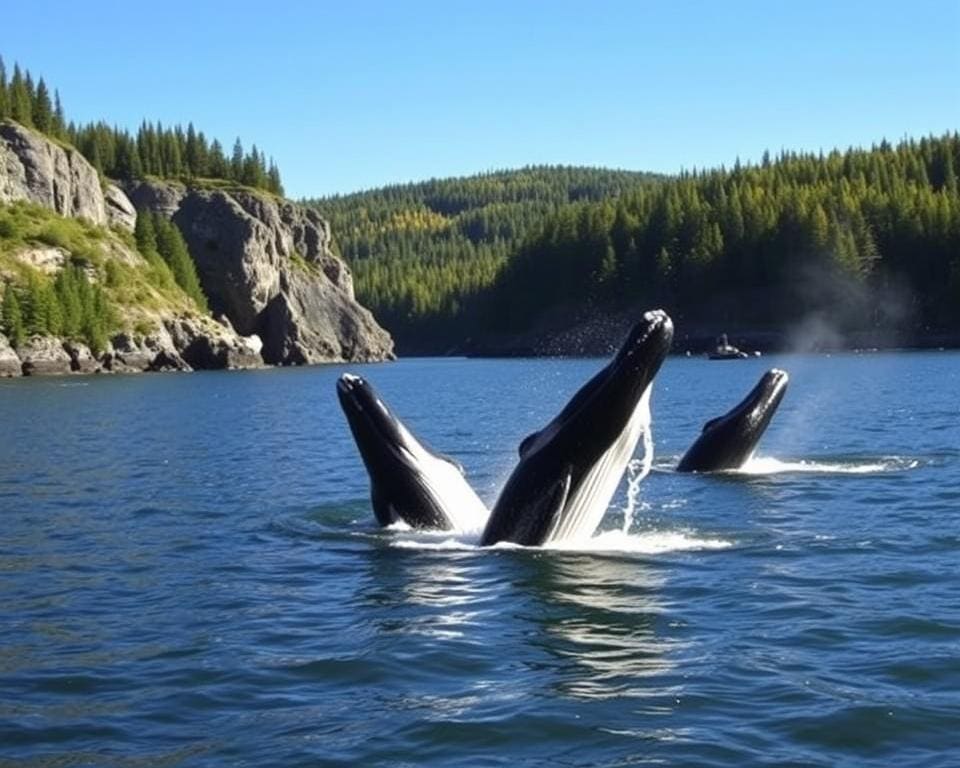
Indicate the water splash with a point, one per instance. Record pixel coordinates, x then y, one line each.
613 541
637 471
770 466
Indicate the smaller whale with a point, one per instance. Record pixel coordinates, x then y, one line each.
728 442
408 481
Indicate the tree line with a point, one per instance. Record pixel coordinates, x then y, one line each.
170 152
871 234
421 252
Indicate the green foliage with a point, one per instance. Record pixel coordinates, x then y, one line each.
12 316
96 293
764 244
68 306
173 249
442 261
421 253
172 153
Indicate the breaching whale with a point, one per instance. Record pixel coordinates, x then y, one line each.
727 442
408 481
569 470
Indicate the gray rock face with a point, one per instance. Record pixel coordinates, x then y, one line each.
265 263
160 197
44 356
10 364
39 170
208 345
120 211
309 321
154 352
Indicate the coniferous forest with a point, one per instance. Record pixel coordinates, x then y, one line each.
869 238
169 152
423 253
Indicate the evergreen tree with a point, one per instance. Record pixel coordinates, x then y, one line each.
173 249
59 122
4 95
42 111
12 316
236 161
21 108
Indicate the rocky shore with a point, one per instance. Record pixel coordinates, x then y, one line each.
266 265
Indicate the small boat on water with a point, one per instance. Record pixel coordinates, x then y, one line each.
726 351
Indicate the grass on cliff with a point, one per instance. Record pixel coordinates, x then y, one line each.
134 289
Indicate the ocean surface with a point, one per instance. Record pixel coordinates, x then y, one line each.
190 575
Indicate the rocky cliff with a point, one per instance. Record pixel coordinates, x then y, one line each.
58 177
265 264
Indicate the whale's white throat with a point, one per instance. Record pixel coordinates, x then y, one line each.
586 504
445 483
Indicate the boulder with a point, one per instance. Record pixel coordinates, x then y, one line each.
10 364
119 209
44 356
156 351
81 358
207 345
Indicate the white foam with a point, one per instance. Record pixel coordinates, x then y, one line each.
615 541
770 466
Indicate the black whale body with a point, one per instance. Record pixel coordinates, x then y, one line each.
408 481
569 470
728 441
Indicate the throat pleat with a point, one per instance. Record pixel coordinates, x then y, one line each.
588 503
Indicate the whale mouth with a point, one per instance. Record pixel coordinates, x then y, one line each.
374 426
759 406
646 347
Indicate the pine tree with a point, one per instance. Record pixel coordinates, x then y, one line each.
42 112
236 161
173 249
4 95
20 106
12 316
59 122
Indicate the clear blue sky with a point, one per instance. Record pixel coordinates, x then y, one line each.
351 95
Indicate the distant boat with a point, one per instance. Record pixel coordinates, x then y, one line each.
726 351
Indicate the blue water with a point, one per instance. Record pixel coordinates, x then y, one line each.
190 575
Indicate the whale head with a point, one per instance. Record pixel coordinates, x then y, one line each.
408 481
729 441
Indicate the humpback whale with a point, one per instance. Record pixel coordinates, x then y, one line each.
408 481
728 441
569 470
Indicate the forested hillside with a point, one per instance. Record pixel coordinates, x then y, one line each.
171 152
869 238
866 236
422 252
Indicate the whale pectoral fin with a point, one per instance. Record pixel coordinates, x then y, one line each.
711 423
526 443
